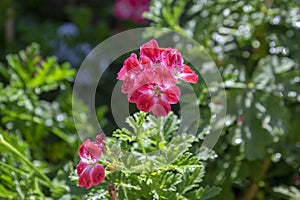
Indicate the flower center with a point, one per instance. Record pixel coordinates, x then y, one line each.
157 91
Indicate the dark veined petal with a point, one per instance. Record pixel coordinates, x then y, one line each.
133 96
82 151
151 50
97 174
129 64
85 178
145 102
145 60
80 167
91 175
171 58
94 150
172 94
90 151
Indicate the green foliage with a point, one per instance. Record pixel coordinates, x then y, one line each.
253 45
27 76
152 168
291 193
35 125
29 71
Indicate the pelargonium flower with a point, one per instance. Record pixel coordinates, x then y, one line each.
90 174
131 9
150 81
156 92
89 171
170 58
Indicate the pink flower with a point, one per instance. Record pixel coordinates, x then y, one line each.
90 174
156 92
150 81
131 9
89 171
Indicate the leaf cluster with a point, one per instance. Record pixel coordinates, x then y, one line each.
140 166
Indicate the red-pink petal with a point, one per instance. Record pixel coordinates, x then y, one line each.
85 178
171 58
172 94
127 85
161 108
80 167
145 102
93 150
82 152
90 151
145 60
146 77
147 88
131 9
91 175
188 75
151 50
100 141
163 76
97 174
133 96
129 64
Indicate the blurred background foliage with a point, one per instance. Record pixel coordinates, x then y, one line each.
38 139
255 45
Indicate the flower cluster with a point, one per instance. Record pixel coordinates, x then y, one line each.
150 81
90 172
131 9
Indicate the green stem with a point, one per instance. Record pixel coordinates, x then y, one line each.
140 141
159 135
30 164
11 168
20 172
141 146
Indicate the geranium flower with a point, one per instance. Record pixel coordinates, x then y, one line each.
131 9
90 174
89 171
155 92
150 81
